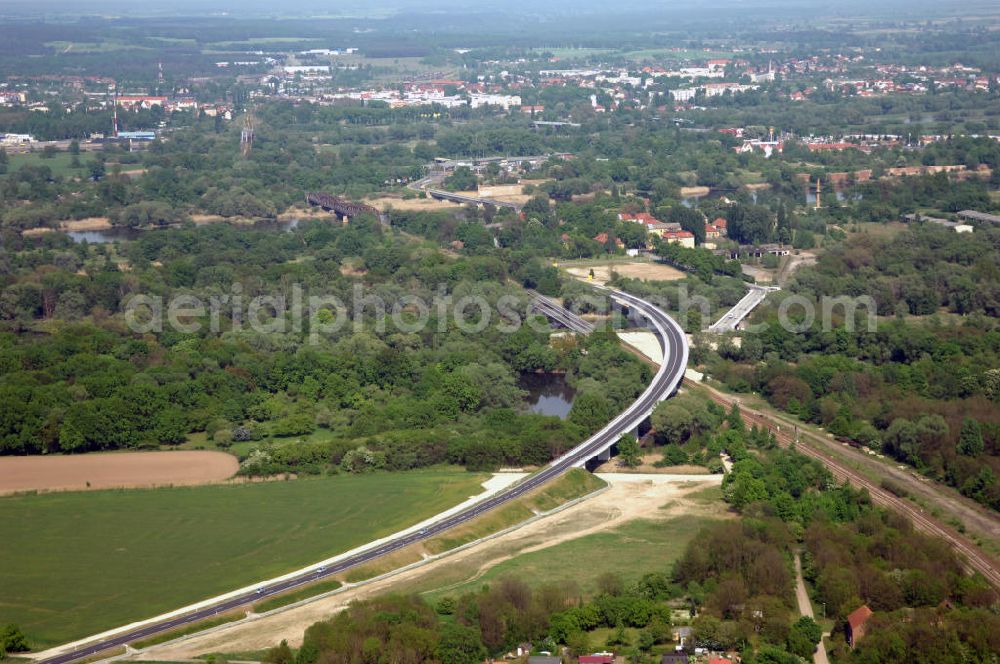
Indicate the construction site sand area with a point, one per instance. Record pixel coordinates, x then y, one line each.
637 270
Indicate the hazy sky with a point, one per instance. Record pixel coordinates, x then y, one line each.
702 9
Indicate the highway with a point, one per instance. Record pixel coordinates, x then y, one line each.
664 384
554 311
742 309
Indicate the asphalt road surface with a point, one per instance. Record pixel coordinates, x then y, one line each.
665 382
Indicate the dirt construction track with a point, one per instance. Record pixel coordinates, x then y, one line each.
111 471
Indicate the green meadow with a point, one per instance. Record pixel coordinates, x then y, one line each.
74 564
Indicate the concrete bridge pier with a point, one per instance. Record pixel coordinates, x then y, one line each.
604 455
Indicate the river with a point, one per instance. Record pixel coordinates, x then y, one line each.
119 234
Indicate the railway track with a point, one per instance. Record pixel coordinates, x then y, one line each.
974 559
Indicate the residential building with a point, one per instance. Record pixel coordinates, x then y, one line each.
658 228
719 89
684 94
603 239
8 98
16 139
639 217
857 622
503 101
767 147
134 102
683 238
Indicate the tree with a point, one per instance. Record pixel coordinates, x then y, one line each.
970 438
735 419
690 220
672 422
744 489
96 168
749 224
803 637
769 654
673 455
463 179
279 654
460 644
591 410
578 643
628 451
12 639
171 426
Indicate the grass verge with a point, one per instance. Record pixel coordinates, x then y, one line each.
239 656
311 590
193 628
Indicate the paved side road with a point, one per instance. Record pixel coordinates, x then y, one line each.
806 609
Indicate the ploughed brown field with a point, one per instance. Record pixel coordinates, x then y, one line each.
114 470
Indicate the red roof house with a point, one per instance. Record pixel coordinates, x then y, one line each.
603 239
640 217
856 624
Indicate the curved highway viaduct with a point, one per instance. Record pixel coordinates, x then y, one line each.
664 384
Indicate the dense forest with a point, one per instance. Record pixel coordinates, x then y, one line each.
372 395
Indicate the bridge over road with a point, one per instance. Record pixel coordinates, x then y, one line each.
732 318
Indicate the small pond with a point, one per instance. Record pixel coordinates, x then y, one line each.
548 393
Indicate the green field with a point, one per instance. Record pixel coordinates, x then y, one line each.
643 545
89 47
73 564
262 41
59 163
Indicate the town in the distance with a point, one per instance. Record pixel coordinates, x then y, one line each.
507 333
